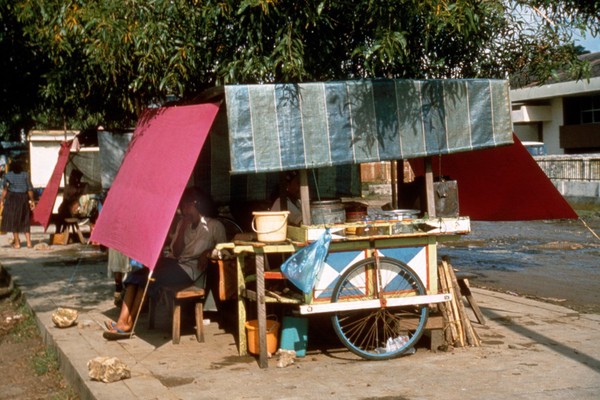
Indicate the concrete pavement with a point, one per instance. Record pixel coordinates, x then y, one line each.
531 349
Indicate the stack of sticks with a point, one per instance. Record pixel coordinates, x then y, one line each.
458 330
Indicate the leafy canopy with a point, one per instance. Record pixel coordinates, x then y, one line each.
84 62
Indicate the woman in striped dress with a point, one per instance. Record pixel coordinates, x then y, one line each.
17 198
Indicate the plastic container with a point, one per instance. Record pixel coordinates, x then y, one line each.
294 335
404 214
270 226
327 212
252 334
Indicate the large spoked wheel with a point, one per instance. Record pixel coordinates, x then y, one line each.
385 332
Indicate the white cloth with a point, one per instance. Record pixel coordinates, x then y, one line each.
117 262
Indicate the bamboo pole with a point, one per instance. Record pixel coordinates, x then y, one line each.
454 303
450 333
468 331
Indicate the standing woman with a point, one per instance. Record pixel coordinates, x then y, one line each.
17 198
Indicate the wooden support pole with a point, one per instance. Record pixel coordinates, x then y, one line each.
241 284
263 360
305 198
394 179
429 195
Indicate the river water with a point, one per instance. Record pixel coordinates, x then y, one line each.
557 261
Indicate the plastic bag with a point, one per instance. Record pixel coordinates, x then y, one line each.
303 267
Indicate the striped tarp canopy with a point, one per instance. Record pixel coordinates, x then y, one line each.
279 127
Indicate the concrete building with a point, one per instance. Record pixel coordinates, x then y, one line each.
565 114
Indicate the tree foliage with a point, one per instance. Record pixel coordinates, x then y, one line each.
101 62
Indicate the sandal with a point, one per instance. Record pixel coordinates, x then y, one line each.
111 326
117 334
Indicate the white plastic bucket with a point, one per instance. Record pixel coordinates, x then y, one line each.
270 226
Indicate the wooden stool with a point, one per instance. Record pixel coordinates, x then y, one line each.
175 299
465 290
72 226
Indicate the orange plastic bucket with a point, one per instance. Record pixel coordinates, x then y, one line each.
252 334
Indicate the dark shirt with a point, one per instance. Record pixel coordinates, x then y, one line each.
18 183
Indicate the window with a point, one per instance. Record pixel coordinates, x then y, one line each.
590 110
580 110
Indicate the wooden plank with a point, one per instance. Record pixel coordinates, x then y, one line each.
373 304
466 291
270 297
274 275
450 334
454 303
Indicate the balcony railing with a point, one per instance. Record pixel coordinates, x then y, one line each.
585 167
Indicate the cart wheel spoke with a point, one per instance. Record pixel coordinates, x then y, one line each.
385 332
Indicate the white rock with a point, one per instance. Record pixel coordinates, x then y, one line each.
64 317
108 369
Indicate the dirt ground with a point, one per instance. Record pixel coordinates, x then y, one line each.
28 369
553 261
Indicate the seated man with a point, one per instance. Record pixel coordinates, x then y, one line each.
69 207
196 235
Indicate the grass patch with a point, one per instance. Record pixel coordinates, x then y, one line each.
26 328
45 361
25 360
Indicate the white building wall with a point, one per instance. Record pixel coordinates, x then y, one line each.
43 157
44 147
551 129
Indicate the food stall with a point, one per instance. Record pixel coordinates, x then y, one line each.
379 275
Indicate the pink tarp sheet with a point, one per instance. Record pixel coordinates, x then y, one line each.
142 201
43 209
502 184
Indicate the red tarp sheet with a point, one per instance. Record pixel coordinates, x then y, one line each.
43 209
501 184
142 201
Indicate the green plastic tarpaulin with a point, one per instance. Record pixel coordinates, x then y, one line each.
280 127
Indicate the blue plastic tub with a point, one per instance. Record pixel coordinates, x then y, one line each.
294 335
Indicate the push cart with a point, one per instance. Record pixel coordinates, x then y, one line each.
377 287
